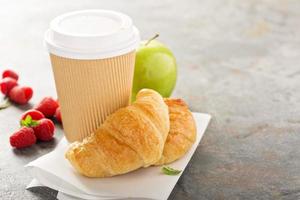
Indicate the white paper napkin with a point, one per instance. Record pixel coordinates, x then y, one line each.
62 196
54 171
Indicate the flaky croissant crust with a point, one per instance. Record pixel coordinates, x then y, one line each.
182 134
130 138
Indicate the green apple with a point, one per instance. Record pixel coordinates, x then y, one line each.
155 68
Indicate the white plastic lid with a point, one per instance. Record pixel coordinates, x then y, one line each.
91 34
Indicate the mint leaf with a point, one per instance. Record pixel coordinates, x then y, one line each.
170 171
28 119
34 123
23 123
29 122
5 104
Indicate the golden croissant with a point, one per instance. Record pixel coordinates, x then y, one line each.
182 132
130 138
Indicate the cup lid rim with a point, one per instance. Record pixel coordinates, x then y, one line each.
92 46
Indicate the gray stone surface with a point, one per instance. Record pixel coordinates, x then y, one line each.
238 60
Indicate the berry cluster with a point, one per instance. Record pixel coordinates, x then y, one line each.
9 87
35 124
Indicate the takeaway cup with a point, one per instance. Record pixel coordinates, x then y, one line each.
92 53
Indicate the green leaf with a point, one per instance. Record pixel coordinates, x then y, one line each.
5 104
23 123
34 123
28 119
170 171
29 122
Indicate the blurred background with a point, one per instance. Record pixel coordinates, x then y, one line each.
237 60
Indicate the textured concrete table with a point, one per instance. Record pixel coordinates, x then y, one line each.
238 60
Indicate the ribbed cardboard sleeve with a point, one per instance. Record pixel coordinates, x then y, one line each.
90 90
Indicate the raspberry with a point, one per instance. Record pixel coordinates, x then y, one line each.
57 115
23 138
7 84
35 115
20 95
47 106
44 131
10 73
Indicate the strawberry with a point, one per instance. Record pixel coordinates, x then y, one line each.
23 138
7 84
34 114
57 115
20 95
44 130
47 106
10 73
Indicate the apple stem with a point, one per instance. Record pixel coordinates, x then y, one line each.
154 37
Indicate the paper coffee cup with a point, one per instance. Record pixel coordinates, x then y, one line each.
92 54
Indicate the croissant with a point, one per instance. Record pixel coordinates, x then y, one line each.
182 132
130 138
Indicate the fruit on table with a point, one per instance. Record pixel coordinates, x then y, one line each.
7 84
20 95
47 106
33 123
24 137
57 115
10 73
44 131
33 127
34 114
155 68
10 88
